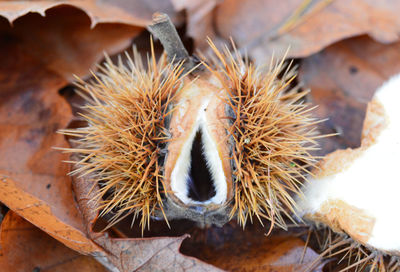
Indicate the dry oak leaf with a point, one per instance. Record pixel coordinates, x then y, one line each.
26 248
343 78
263 27
133 254
136 13
38 55
252 250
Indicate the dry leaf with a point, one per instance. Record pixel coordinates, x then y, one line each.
200 22
151 254
25 248
235 249
263 27
38 55
284 254
343 79
63 41
137 13
67 228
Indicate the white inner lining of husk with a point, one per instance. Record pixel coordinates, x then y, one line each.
180 173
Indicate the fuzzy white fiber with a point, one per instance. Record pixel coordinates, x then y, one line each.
371 183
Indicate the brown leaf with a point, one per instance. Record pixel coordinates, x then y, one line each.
38 55
63 41
137 13
236 249
151 254
25 248
66 228
200 20
263 27
343 79
277 253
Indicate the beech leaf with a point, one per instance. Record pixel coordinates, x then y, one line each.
26 248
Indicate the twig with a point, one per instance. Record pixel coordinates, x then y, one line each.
165 31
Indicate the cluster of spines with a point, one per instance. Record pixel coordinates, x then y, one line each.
120 148
273 133
350 255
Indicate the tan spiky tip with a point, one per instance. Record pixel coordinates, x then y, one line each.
273 133
121 148
349 255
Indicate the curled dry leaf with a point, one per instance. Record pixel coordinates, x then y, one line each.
263 27
235 249
279 253
26 248
137 13
63 41
152 254
32 178
343 79
38 55
67 228
200 20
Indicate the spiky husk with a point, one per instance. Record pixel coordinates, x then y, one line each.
271 128
350 255
121 146
273 133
